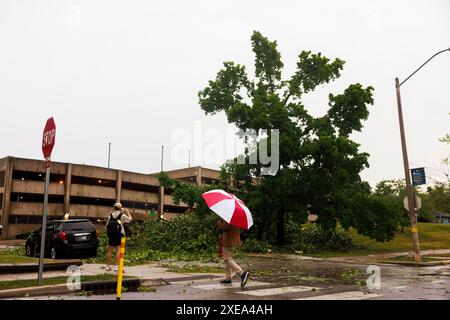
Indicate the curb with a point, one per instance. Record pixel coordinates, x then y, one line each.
33 267
107 286
110 286
419 264
154 282
97 287
35 291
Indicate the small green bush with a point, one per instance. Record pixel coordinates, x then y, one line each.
311 238
254 245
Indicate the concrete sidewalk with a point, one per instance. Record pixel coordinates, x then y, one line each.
148 275
362 259
377 258
13 268
145 271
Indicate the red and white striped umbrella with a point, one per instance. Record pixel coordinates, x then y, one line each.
229 208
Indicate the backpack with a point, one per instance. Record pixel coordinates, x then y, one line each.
113 227
127 230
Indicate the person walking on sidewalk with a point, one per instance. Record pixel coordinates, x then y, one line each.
231 238
115 231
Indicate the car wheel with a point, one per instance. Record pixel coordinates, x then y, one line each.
29 250
53 253
93 254
35 252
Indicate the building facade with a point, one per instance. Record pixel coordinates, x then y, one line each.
442 217
84 191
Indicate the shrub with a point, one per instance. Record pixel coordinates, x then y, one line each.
311 238
256 246
187 237
188 232
191 237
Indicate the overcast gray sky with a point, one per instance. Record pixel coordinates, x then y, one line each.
128 72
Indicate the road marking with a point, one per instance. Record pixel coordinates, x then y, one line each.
219 286
276 291
349 295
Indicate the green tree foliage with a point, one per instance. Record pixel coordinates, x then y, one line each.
189 194
392 188
446 161
437 199
392 192
319 165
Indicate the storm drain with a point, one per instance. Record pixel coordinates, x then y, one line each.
110 286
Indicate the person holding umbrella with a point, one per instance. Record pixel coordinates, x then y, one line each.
231 238
234 216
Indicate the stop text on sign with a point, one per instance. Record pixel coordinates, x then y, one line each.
48 138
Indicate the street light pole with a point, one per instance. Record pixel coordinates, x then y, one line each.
409 188
162 158
109 153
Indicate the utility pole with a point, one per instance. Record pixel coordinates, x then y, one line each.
109 153
409 188
162 157
189 159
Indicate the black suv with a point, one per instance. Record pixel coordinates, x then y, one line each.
65 238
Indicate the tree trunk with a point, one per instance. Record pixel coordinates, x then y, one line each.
281 237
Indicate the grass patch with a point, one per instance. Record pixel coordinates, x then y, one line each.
425 258
264 273
411 259
138 256
17 255
5 285
19 259
432 236
352 276
146 289
443 255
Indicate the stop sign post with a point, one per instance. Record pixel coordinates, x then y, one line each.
48 142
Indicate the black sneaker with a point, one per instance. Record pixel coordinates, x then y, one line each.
244 278
226 281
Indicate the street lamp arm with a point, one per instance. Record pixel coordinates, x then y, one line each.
423 65
409 188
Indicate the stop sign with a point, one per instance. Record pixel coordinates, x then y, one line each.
48 138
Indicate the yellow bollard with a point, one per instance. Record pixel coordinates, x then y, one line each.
120 274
